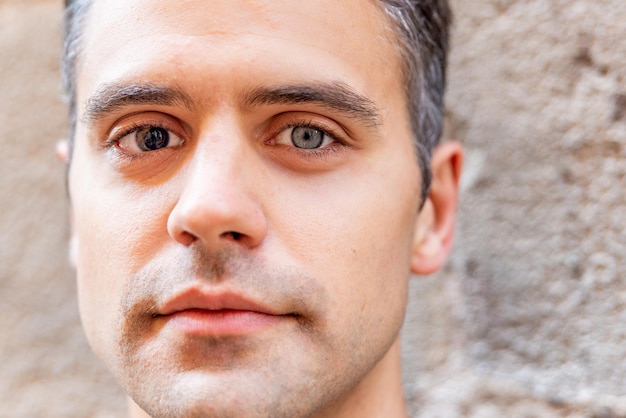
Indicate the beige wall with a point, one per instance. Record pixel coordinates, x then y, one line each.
526 320
530 315
46 367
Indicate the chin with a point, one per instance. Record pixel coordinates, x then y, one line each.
227 394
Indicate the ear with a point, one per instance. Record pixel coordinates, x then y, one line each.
62 150
434 228
73 248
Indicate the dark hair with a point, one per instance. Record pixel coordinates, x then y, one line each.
73 22
422 30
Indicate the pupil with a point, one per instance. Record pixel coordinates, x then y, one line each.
155 138
307 138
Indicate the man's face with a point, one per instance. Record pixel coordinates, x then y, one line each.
245 194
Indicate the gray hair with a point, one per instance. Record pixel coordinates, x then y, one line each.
422 29
73 29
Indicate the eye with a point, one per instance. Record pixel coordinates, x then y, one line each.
304 137
148 138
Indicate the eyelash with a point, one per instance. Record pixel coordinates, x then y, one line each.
315 152
111 143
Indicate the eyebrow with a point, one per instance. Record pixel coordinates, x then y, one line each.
115 96
334 95
338 96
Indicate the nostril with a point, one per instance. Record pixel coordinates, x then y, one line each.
232 234
186 238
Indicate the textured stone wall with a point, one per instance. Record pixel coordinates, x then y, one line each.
529 317
46 368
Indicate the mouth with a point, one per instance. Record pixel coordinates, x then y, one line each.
217 314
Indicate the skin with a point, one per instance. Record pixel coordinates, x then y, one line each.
326 239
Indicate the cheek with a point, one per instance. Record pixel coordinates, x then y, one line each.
355 233
116 235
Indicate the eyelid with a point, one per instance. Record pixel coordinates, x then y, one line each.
307 120
289 129
140 121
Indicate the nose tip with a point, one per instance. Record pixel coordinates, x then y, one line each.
216 222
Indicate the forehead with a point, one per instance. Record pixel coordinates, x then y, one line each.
199 40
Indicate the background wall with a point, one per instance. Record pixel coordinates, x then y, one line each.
528 318
47 369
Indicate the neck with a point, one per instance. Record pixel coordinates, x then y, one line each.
136 411
379 394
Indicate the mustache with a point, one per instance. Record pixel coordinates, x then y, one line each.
285 287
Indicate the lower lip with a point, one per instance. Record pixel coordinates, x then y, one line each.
220 323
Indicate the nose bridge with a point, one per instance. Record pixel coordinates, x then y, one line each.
218 200
219 160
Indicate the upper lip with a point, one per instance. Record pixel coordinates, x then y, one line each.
212 300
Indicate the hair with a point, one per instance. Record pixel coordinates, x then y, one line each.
422 30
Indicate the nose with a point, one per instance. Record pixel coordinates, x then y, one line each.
218 205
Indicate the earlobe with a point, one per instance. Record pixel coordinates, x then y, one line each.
73 246
62 150
434 229
427 245
73 250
